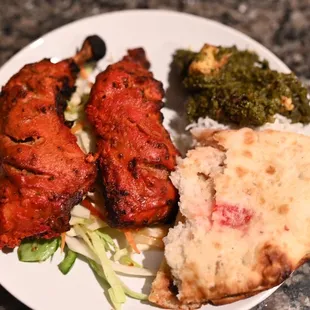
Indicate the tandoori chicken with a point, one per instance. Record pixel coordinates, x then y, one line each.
43 172
135 152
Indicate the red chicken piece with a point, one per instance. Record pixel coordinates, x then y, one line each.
136 154
43 172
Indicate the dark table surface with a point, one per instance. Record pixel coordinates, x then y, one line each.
283 26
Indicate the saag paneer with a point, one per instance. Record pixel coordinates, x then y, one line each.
233 86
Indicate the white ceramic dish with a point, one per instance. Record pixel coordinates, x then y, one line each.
42 286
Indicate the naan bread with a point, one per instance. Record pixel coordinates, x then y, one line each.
245 196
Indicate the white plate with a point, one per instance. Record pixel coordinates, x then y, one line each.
42 286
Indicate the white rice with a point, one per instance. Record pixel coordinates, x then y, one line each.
281 123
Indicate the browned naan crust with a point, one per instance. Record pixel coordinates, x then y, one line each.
272 264
163 292
231 299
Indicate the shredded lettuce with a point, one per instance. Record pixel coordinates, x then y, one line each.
119 254
124 258
117 292
119 268
95 243
128 261
96 224
73 109
110 244
71 233
89 67
98 269
76 220
100 248
79 246
80 211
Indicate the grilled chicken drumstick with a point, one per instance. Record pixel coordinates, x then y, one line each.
135 151
43 172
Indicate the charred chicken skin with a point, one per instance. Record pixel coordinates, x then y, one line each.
43 172
136 154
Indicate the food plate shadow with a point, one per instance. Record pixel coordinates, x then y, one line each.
148 304
116 236
152 260
104 285
176 101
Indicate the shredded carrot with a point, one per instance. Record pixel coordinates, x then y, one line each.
94 211
77 127
84 74
63 242
131 241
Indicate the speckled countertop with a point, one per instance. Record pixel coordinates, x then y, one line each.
283 26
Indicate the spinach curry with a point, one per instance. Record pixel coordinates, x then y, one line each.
233 86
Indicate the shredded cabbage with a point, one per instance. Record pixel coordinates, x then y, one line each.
96 224
97 268
123 256
110 244
119 254
76 220
128 261
84 233
139 238
80 211
95 245
79 246
116 291
71 233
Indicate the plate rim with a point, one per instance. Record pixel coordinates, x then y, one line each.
34 44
